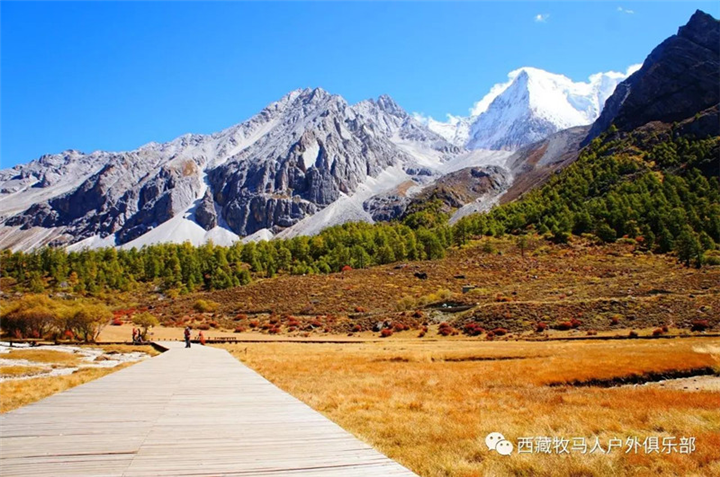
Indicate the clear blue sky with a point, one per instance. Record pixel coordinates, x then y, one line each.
114 76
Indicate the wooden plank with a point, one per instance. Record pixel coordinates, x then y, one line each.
187 412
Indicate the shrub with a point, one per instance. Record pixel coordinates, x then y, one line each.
254 324
633 334
360 309
614 320
657 332
575 323
205 306
473 329
445 329
405 303
240 316
541 327
591 333
421 334
399 327
356 328
564 326
213 324
700 325
116 322
665 328
239 329
712 260
386 332
500 331
203 326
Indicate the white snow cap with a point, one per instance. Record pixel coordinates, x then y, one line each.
529 92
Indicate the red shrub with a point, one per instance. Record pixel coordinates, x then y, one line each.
445 329
541 327
564 326
575 323
254 324
360 309
386 332
614 320
240 316
356 328
316 323
500 331
591 333
68 335
473 329
346 268
665 329
490 335
239 329
633 334
400 327
700 325
274 330
203 326
116 322
657 332
421 334
214 324
418 314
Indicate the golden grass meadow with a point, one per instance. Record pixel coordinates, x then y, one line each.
430 404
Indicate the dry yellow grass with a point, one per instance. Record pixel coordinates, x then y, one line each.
19 371
430 404
43 356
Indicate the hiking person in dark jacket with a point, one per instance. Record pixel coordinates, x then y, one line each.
187 336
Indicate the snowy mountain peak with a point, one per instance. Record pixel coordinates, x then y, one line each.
295 158
531 105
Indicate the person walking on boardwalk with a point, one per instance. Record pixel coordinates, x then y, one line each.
187 336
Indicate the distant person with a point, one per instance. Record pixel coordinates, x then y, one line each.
201 337
134 335
187 336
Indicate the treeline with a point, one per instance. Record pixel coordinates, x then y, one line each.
211 267
651 190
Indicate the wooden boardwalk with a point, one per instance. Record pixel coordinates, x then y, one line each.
196 412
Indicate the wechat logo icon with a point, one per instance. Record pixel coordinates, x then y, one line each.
497 442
